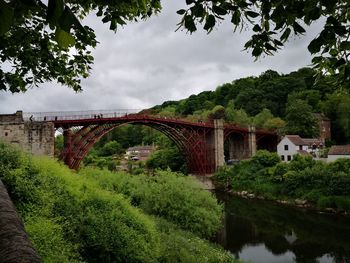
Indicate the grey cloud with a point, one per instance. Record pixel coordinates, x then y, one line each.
146 63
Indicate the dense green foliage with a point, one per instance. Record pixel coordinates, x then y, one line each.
323 184
167 155
300 119
198 213
182 246
286 103
99 216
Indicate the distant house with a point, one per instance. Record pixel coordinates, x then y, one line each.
141 153
338 151
314 145
291 145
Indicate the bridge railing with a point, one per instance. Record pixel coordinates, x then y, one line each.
77 115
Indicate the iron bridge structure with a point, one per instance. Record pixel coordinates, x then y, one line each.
198 141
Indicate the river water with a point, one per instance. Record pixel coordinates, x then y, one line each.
264 232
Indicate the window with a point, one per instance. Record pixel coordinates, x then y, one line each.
289 157
286 147
6 134
300 147
282 157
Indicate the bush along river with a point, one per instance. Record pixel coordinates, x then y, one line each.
261 231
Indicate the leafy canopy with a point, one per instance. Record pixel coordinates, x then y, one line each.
40 42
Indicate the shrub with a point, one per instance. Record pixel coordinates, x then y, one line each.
105 225
175 197
339 184
181 246
342 202
223 176
265 158
278 171
300 163
49 241
19 176
313 196
325 202
342 164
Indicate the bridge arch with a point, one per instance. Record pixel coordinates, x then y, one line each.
191 141
237 144
200 142
241 141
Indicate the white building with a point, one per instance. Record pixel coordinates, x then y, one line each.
291 145
338 151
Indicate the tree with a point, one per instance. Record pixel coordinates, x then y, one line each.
337 108
262 117
300 119
273 21
37 40
111 148
275 124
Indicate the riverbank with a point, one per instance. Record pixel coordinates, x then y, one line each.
298 203
304 182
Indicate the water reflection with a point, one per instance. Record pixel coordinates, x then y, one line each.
263 232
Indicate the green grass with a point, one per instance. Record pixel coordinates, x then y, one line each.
100 216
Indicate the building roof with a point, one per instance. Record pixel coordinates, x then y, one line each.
296 139
141 148
339 150
311 141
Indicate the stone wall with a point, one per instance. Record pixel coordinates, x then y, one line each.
33 137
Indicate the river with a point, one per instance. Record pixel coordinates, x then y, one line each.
264 232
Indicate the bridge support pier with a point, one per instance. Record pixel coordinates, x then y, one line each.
251 141
68 149
219 143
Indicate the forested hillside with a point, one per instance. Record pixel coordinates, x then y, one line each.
273 101
286 103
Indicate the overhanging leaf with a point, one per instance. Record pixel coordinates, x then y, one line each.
315 46
236 17
209 23
181 11
252 14
344 45
298 29
285 34
64 39
189 24
219 10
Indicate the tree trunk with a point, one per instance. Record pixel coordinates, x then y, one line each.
15 246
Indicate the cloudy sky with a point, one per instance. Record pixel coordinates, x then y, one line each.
147 63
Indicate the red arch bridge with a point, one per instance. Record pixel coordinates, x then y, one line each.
202 143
